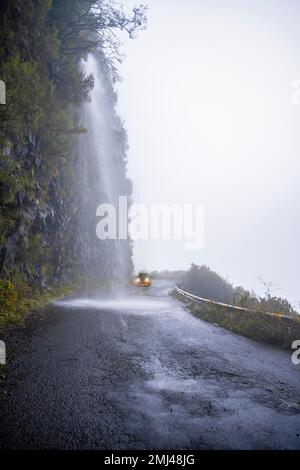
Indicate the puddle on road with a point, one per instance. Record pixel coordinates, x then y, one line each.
152 300
139 305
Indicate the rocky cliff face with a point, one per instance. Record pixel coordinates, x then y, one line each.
52 175
48 209
36 212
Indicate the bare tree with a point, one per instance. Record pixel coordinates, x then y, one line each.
270 287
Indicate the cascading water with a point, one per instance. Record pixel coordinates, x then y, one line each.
101 164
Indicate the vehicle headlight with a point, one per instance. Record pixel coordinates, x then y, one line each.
147 279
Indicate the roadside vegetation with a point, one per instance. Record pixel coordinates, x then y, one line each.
269 318
278 330
17 298
204 282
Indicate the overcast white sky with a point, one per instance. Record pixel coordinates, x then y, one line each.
206 98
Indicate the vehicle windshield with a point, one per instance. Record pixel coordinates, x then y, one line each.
143 275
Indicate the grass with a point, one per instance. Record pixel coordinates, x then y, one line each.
18 298
278 330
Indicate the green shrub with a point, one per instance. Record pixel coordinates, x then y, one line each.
276 329
8 302
18 298
204 282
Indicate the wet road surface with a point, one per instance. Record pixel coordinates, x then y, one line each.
142 373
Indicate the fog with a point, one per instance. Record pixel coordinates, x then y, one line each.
206 97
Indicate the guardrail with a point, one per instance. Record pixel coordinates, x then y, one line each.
200 300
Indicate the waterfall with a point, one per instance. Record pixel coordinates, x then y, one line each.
101 166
